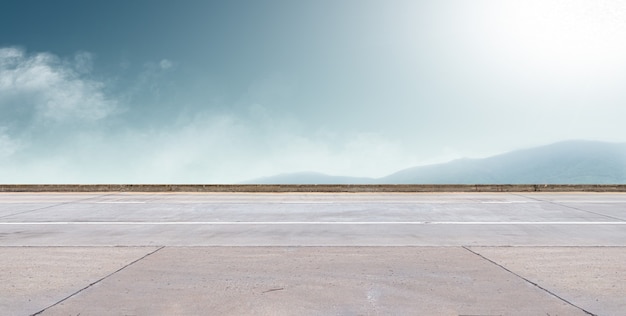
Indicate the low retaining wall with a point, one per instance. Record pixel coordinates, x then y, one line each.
329 188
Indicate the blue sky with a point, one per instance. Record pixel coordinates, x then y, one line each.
226 91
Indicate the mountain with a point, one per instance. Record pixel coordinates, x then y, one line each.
568 162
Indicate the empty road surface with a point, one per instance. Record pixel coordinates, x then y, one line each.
313 254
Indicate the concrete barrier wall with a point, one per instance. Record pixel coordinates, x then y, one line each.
252 188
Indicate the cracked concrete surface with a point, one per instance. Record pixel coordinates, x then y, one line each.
313 254
313 281
35 278
593 278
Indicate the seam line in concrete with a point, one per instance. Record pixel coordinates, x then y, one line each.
592 212
55 205
98 281
529 281
572 207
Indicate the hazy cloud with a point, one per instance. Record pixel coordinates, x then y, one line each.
377 87
227 148
43 87
205 146
83 62
8 146
165 64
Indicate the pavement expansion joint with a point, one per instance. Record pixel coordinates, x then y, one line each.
529 281
573 208
35 210
98 281
56 205
591 212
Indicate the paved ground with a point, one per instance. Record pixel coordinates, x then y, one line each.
313 254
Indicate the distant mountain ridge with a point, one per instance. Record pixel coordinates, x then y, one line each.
568 162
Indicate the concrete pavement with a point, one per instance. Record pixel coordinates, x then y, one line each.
313 253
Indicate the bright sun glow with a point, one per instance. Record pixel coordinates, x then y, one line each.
577 36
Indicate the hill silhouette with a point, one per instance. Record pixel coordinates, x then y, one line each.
568 162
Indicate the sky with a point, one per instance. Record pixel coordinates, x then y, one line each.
155 91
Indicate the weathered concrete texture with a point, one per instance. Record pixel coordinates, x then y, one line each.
312 235
33 278
329 188
7 210
345 279
313 281
593 278
312 219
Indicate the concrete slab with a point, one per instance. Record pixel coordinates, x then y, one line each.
308 210
578 197
606 209
592 278
313 219
34 278
52 198
15 204
313 281
605 204
420 206
341 277
8 210
307 234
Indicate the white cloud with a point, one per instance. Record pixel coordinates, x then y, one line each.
83 62
8 146
165 64
197 147
209 148
227 149
49 89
